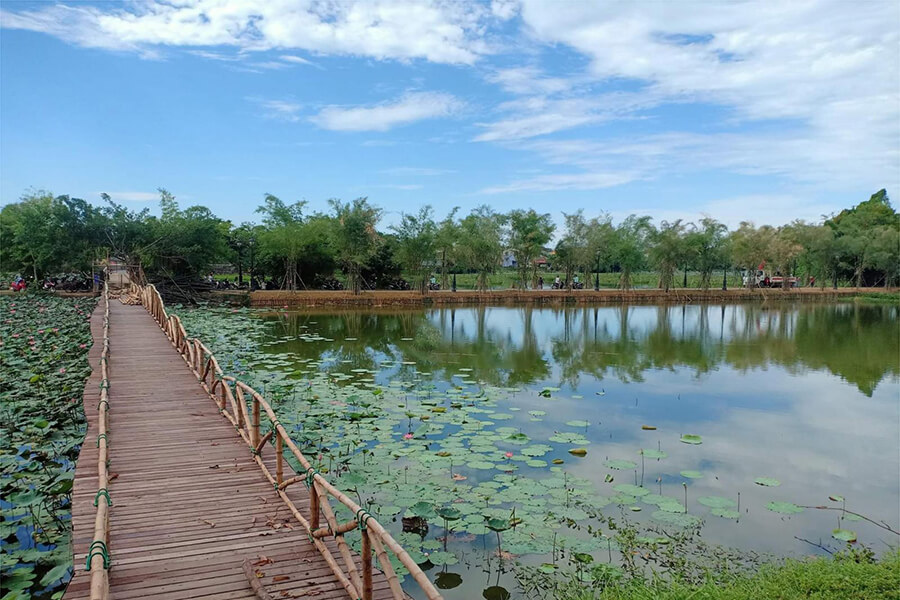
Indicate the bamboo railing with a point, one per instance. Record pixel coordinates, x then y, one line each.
97 561
232 398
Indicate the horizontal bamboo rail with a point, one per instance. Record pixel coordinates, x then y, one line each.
98 561
243 407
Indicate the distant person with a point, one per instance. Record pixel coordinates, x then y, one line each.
540 283
432 281
557 282
18 284
575 279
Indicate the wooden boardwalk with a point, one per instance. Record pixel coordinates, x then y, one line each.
189 502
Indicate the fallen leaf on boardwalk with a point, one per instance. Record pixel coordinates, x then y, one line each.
264 499
210 523
214 467
263 560
113 476
260 574
281 578
214 444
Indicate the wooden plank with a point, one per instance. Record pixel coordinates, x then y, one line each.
189 502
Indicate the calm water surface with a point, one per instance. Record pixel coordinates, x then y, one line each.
808 395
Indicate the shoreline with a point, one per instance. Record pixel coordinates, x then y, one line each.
379 298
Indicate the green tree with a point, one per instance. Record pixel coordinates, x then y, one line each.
480 243
446 244
750 248
706 248
856 230
355 237
529 232
284 236
573 249
667 250
629 243
416 244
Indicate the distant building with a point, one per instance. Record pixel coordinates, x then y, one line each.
509 260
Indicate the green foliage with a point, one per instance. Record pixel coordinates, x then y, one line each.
43 364
629 243
480 243
416 244
354 236
529 232
668 250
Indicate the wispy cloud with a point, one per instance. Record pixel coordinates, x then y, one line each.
283 110
412 107
441 32
133 196
563 181
401 186
297 60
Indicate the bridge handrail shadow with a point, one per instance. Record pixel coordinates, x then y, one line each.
231 397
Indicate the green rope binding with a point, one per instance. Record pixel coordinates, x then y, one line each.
311 476
102 492
97 547
362 518
106 402
104 436
255 452
104 384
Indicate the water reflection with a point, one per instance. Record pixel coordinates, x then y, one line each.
521 346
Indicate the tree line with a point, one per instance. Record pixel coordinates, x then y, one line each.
296 248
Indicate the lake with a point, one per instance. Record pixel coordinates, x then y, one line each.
731 417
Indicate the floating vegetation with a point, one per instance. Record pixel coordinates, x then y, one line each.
451 440
766 482
844 535
43 366
784 508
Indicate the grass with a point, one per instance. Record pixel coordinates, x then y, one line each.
847 576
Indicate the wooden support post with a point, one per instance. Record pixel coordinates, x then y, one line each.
254 424
279 459
313 506
366 566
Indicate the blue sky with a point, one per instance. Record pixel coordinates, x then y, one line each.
742 110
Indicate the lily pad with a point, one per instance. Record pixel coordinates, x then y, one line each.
577 423
692 474
725 513
654 454
844 535
784 508
689 438
767 482
631 490
716 502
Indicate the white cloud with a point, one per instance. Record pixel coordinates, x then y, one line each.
528 80
133 196
414 106
573 181
290 58
279 109
442 32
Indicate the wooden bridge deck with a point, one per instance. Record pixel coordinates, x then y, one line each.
189 503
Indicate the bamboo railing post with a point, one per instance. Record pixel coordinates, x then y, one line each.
254 430
313 506
279 459
366 565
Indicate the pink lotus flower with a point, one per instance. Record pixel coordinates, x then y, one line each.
407 436
82 346
55 330
15 335
40 331
508 455
63 370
